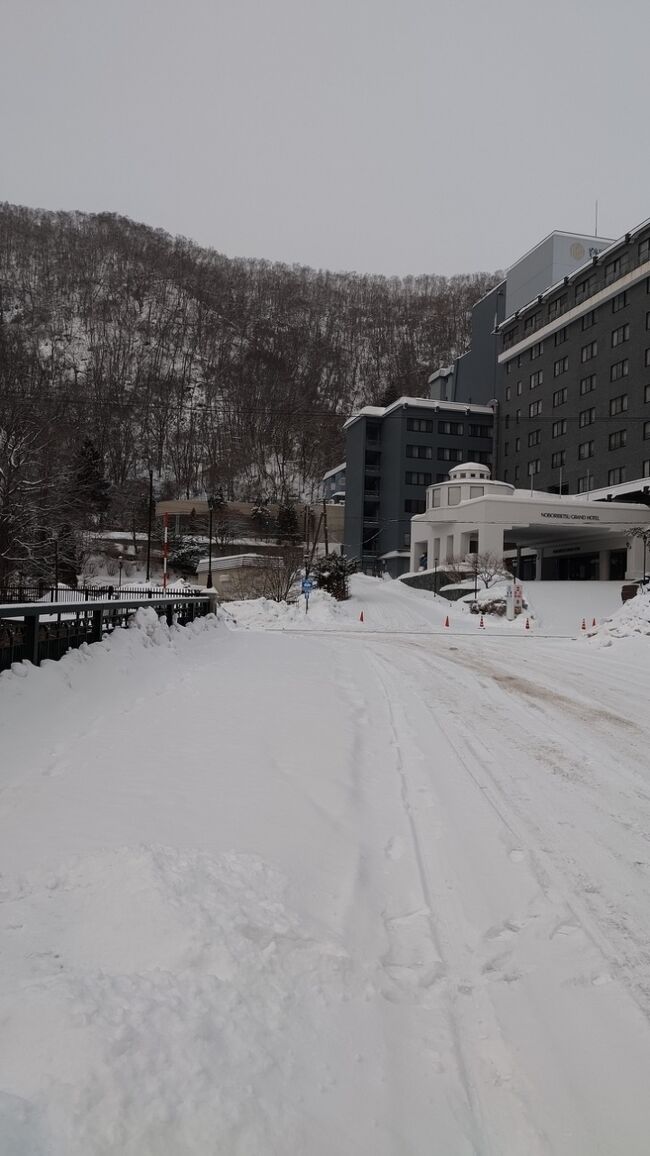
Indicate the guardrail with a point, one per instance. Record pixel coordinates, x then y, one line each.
35 631
43 593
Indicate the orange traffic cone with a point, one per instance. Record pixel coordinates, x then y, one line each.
527 624
593 622
584 625
447 621
481 624
361 617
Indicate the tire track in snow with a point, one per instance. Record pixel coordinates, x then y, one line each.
453 957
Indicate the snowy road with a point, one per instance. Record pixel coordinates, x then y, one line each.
337 889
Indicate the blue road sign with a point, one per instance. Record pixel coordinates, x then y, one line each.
307 586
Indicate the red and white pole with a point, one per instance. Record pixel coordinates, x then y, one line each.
165 547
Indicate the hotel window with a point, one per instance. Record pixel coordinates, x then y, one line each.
536 350
646 468
506 449
619 301
618 405
517 416
532 322
646 393
587 384
447 454
612 270
479 431
585 288
589 351
561 366
588 320
556 306
536 378
558 428
450 427
517 445
560 396
419 452
587 417
618 439
508 392
647 356
416 479
507 421
646 430
644 250
583 484
560 337
558 459
535 408
620 335
508 368
419 425
534 467
520 388
620 369
647 320
585 450
534 437
615 477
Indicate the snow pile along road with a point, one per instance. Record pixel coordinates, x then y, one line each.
330 890
630 620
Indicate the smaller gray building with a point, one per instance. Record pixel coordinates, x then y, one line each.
392 455
334 484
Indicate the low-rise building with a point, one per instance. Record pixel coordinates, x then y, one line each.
563 537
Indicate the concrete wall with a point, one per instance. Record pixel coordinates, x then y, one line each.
557 256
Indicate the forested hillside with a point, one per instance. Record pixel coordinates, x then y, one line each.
124 349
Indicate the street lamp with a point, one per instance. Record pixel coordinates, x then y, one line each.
120 563
150 524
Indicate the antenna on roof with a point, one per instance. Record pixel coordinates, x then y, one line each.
596 224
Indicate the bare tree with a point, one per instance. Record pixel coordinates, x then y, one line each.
488 568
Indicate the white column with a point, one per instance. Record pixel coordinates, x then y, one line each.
490 540
635 558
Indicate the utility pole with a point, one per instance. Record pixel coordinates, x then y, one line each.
209 579
150 525
325 534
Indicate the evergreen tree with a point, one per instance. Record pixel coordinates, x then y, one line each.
332 572
287 524
91 489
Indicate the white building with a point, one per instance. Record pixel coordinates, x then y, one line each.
565 537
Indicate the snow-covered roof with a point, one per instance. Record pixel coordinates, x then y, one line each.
571 278
332 472
421 403
232 561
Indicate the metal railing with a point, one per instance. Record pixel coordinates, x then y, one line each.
42 593
34 631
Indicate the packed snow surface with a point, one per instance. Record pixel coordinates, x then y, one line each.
295 883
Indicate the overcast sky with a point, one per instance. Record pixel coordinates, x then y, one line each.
393 136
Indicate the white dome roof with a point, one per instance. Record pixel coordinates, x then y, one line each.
476 468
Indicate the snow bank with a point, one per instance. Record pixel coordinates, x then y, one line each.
629 621
263 614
